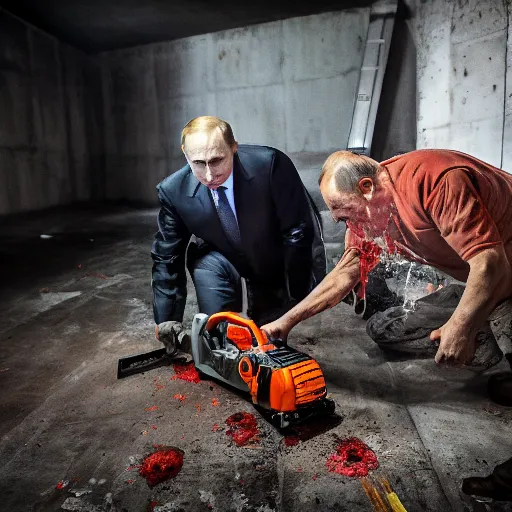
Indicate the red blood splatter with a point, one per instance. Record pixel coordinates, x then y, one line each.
186 372
300 470
215 427
130 481
353 458
153 408
198 407
154 427
291 440
315 476
158 385
162 465
62 484
152 505
243 428
369 254
180 397
215 402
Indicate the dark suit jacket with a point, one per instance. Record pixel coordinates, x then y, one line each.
274 214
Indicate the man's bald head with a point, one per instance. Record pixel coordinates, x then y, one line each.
347 169
354 189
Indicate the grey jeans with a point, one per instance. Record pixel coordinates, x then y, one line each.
408 331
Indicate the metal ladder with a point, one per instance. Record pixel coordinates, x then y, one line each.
378 41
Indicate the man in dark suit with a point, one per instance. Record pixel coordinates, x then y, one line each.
243 221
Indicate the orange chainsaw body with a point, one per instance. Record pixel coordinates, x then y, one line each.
279 378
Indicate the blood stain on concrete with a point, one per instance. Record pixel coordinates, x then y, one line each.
162 465
186 372
353 458
291 440
243 427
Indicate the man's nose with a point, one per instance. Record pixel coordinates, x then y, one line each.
209 176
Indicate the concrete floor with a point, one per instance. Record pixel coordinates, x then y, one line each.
64 416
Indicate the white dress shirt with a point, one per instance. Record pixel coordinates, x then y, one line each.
230 194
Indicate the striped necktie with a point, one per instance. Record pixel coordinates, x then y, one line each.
228 219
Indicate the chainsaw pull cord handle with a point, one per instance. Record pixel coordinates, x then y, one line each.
216 318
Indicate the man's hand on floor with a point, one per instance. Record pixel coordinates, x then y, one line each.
456 346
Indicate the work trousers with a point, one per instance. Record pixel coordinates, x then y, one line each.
408 330
218 286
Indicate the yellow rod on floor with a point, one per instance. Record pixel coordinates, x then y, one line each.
394 501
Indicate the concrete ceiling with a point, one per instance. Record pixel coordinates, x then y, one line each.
99 25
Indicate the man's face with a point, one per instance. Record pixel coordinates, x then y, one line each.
209 157
368 216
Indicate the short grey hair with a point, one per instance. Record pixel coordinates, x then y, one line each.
348 169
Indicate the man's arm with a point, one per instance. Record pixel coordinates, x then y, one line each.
489 282
169 279
295 222
335 286
458 211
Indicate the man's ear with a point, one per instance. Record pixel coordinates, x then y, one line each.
234 147
366 186
183 149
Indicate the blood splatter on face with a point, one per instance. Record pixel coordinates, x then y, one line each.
243 428
353 458
161 465
369 253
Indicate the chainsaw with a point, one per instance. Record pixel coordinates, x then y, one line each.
287 386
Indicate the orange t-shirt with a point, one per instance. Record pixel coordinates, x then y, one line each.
449 207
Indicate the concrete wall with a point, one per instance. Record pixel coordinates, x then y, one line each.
51 140
290 84
464 80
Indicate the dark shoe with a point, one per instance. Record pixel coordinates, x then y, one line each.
486 487
499 389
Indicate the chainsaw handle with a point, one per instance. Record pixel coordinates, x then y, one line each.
233 318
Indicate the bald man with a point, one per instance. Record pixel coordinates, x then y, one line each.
241 220
441 208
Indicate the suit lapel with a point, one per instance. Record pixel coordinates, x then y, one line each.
205 208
